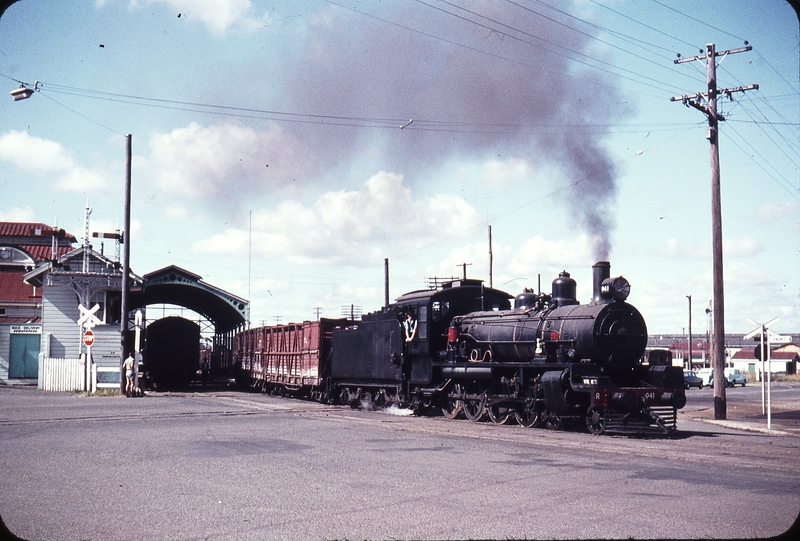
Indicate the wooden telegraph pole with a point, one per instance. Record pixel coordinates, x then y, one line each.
689 364
718 335
126 257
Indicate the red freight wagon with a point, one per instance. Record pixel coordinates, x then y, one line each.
293 358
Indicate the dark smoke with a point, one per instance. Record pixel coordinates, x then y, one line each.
513 98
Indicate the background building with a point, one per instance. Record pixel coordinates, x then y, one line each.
739 353
23 248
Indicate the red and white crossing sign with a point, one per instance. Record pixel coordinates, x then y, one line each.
88 337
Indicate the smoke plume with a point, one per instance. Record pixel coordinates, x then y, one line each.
512 82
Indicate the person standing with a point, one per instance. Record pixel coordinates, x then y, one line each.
130 374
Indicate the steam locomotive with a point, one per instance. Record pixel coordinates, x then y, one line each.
463 350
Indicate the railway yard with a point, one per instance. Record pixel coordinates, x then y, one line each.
214 463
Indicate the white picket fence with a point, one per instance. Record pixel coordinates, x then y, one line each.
61 375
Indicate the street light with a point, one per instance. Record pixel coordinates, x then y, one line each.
23 92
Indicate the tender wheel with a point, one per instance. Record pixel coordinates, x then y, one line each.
475 408
366 401
452 407
344 396
595 421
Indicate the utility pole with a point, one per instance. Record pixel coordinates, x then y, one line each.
690 332
126 269
491 258
718 335
385 282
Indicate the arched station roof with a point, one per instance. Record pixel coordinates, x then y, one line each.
174 285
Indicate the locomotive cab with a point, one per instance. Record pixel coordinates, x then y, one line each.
392 352
435 310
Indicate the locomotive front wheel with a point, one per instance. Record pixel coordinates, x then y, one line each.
475 408
595 421
554 421
451 407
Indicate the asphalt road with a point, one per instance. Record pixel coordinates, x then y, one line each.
223 465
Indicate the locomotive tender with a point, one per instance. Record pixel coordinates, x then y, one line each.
464 350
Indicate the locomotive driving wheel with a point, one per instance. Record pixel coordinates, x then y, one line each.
475 405
528 413
595 421
500 413
451 407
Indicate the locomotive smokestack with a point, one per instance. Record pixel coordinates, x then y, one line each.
600 271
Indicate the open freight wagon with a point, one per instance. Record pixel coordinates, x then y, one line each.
286 359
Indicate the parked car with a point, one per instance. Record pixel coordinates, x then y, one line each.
734 377
707 375
690 379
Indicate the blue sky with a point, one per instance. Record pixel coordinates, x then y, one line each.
269 158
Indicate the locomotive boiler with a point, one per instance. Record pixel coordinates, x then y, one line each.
552 360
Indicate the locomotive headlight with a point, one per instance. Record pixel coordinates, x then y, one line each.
615 288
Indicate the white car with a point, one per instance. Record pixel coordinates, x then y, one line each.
732 377
707 375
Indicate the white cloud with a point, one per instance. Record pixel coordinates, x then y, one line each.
50 159
34 154
225 162
177 211
676 248
771 213
733 247
218 15
741 247
538 254
501 173
349 227
17 214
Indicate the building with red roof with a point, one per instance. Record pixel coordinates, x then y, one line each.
24 246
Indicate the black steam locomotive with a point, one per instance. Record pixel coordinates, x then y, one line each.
462 349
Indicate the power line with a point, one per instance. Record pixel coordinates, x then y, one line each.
549 42
697 20
420 124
